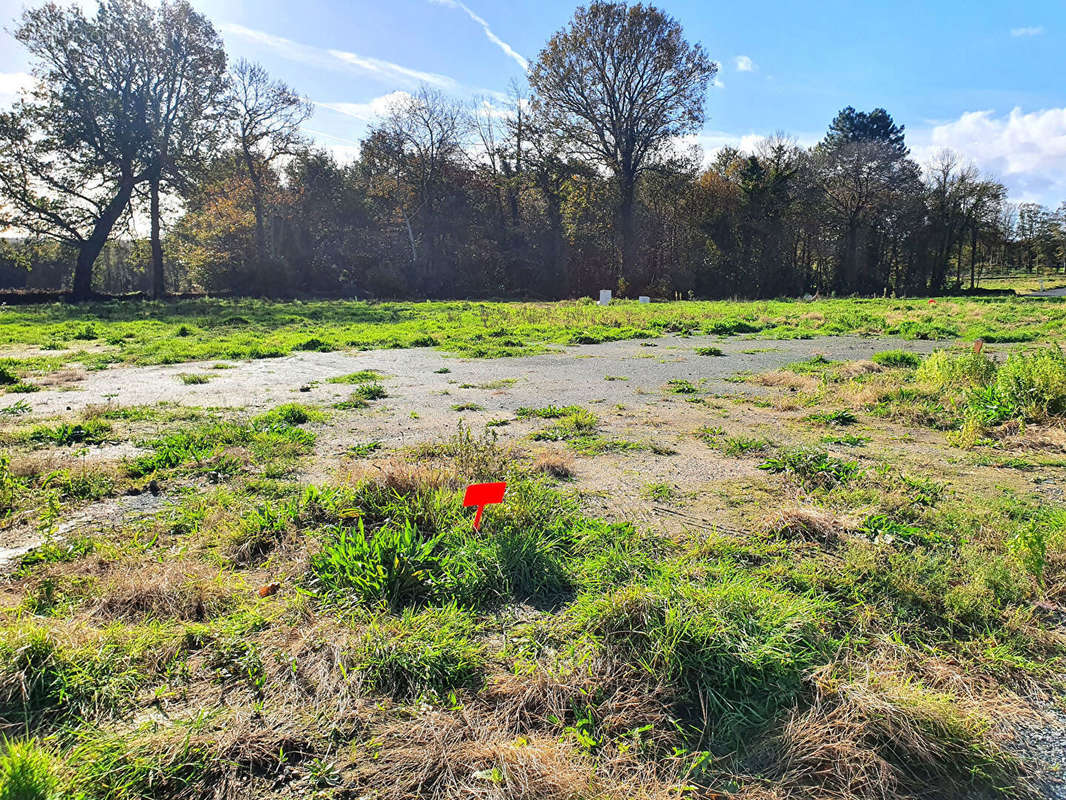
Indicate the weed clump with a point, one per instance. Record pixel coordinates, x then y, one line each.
737 648
897 358
814 469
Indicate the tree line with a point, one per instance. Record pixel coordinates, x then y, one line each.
581 180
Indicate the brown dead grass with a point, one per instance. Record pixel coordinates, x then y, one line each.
554 462
786 379
61 378
854 369
171 590
878 736
510 743
810 524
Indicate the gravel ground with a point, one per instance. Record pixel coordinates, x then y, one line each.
571 375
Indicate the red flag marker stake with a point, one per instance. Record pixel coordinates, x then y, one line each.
481 495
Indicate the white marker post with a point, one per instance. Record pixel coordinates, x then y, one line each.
644 299
605 297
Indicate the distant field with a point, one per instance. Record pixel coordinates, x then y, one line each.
45 338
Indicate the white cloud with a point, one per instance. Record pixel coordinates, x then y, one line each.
394 72
492 37
745 64
1027 151
11 83
1032 30
370 110
718 83
339 59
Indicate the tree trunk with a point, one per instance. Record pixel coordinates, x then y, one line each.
91 247
626 209
257 205
159 288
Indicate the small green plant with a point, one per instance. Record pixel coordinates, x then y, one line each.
709 351
362 376
575 425
289 414
363 450
847 439
16 409
680 386
192 379
371 391
897 358
7 376
841 417
813 468
93 431
663 492
442 371
394 565
744 445
883 528
548 412
467 407
708 434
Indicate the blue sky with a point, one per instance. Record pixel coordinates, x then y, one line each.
984 79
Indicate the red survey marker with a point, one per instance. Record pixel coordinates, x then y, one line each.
481 495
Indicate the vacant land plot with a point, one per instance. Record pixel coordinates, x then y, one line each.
759 550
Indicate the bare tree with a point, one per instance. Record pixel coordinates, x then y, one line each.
410 153
265 116
621 82
184 77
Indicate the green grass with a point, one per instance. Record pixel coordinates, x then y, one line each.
813 469
65 434
190 379
191 330
370 391
362 376
896 358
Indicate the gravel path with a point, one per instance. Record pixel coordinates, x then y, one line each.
571 375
